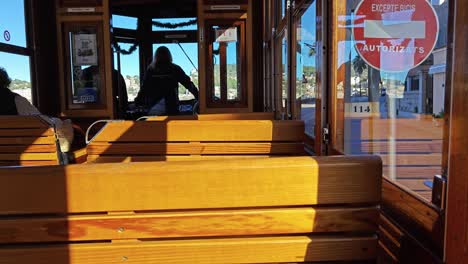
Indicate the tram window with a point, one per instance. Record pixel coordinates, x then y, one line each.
13 23
124 22
392 103
306 83
18 69
179 58
130 70
227 55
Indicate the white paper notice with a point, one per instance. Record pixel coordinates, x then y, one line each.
85 50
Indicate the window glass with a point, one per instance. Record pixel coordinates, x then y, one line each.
124 22
12 23
18 69
130 70
306 87
86 76
227 59
389 86
284 75
183 61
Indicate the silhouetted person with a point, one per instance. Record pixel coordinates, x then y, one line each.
14 104
161 81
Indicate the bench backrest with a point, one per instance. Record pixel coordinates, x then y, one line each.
28 141
195 140
207 117
292 209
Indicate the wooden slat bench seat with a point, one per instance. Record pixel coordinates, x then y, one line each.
28 141
275 210
196 140
208 117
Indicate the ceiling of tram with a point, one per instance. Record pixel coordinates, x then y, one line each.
155 8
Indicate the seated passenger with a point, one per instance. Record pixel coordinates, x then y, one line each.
161 81
14 104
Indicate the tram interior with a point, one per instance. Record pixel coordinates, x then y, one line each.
295 148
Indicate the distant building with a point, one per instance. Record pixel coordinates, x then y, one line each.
425 84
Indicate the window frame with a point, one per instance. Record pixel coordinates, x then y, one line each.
27 51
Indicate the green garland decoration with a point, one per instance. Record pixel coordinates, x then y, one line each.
134 47
174 25
118 49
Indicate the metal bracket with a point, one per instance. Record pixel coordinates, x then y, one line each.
439 191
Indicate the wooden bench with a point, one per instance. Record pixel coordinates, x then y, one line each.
194 140
27 141
275 210
207 117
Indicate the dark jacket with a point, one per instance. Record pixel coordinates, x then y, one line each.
7 102
162 81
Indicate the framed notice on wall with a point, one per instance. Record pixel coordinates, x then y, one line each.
85 50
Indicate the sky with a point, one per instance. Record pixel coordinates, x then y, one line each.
12 20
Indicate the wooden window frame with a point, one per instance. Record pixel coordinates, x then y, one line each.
68 96
224 103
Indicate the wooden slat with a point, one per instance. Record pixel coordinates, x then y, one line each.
29 162
385 256
28 149
234 250
191 130
392 229
188 224
206 117
28 156
35 132
415 185
398 199
148 158
418 159
195 148
414 172
27 140
176 185
22 122
431 146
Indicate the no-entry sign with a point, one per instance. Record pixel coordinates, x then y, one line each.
397 35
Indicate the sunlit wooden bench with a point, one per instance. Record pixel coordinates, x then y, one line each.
207 117
292 209
28 141
196 140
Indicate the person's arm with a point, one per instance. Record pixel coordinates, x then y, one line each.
24 107
184 79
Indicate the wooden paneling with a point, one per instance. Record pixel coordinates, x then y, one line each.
457 202
207 117
196 149
243 130
27 140
146 158
188 224
296 181
235 250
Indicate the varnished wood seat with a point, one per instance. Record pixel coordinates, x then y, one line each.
27 141
275 210
196 140
207 117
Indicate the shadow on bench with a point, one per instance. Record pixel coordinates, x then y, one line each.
293 209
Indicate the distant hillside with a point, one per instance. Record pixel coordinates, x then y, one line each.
20 85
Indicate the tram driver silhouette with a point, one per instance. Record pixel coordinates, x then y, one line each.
161 81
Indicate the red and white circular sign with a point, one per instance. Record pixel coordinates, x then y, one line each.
397 35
